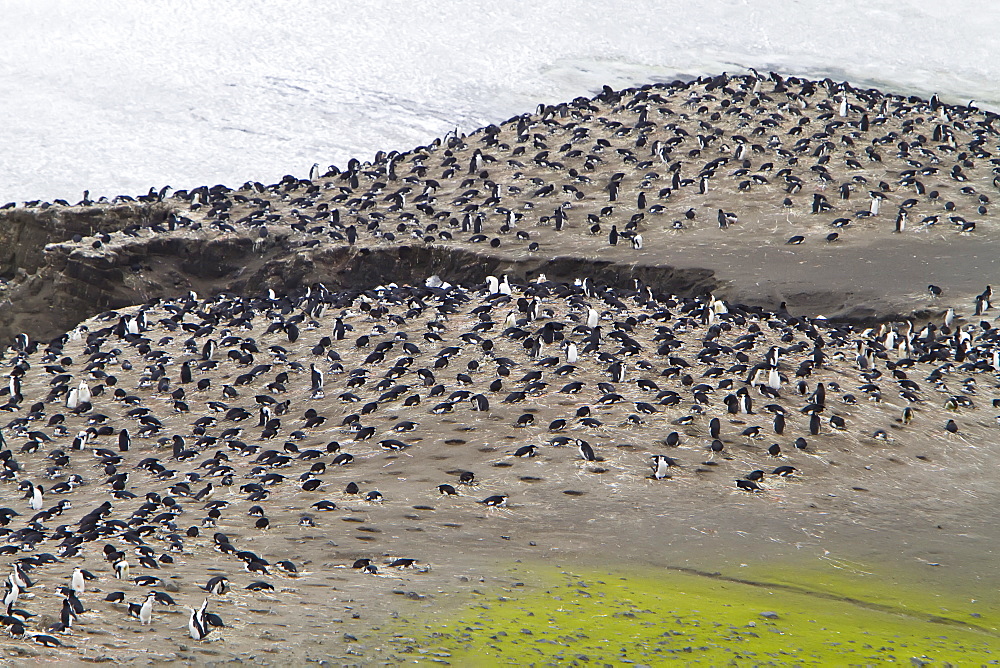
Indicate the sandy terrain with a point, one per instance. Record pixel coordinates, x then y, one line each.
869 486
847 485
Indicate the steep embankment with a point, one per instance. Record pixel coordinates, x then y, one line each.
56 282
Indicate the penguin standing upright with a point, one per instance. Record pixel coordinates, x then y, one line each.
73 399
316 376
819 395
34 495
12 594
773 379
21 578
983 301
875 203
146 610
66 615
14 386
121 568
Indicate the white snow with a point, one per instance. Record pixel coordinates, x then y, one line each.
117 96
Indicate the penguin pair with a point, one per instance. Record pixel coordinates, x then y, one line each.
198 626
143 611
661 466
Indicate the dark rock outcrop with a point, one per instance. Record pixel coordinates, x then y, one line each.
24 233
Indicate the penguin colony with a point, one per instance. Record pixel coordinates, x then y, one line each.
194 425
631 170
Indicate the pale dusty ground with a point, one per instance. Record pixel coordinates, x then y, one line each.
921 499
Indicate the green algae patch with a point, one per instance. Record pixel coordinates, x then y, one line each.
595 617
890 586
